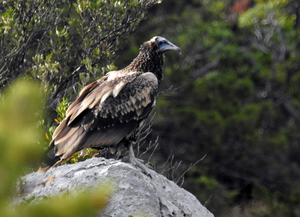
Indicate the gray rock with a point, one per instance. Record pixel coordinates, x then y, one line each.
135 192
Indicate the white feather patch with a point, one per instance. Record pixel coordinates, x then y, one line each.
105 96
112 75
154 103
118 88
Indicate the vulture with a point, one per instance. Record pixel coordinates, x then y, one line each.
109 111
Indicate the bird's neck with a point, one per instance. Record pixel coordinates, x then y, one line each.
148 61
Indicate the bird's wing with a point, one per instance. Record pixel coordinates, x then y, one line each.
106 111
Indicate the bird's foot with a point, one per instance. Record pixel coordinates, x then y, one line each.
142 166
127 160
138 162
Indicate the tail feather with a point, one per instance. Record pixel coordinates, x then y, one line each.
49 159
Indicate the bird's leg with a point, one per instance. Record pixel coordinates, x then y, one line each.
137 162
120 150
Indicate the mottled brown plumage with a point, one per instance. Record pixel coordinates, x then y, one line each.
109 111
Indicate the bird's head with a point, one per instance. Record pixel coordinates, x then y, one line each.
163 45
151 56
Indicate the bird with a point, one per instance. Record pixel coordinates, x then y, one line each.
108 112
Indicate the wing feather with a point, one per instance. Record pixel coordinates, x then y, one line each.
106 112
67 135
85 91
104 97
59 130
118 88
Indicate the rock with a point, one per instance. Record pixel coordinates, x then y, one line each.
135 192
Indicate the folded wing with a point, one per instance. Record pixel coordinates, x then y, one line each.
106 112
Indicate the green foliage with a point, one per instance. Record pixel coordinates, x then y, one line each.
236 95
263 8
61 110
18 133
56 41
235 99
21 108
88 203
82 155
64 45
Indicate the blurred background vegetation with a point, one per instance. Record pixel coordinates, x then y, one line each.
21 108
236 87
235 98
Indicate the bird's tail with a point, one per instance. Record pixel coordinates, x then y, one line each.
49 159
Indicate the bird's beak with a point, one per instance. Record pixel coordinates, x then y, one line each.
169 46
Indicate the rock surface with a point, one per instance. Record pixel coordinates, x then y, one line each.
135 192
